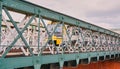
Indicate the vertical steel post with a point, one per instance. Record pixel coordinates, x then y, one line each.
62 37
37 66
39 33
61 63
0 20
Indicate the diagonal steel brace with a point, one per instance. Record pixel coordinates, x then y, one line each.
19 34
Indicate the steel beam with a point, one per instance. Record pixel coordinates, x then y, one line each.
39 33
37 61
19 34
0 20
25 7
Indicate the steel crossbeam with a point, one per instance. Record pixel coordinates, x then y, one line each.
90 41
20 34
29 8
29 61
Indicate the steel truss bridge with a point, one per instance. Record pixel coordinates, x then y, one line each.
29 42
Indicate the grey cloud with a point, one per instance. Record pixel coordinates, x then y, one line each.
109 13
98 12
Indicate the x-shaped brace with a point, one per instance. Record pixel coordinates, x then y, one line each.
19 33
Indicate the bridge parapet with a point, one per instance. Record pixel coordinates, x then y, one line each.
44 36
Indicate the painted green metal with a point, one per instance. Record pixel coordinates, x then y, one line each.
39 33
29 8
37 66
50 35
45 25
25 7
0 20
19 33
62 35
6 63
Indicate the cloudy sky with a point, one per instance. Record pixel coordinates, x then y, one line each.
104 13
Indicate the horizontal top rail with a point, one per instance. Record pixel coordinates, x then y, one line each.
25 7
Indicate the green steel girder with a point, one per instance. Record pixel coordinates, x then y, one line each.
0 19
39 32
19 34
30 8
25 7
6 63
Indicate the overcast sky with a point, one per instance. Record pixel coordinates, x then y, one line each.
104 13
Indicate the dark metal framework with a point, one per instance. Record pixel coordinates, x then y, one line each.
91 41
